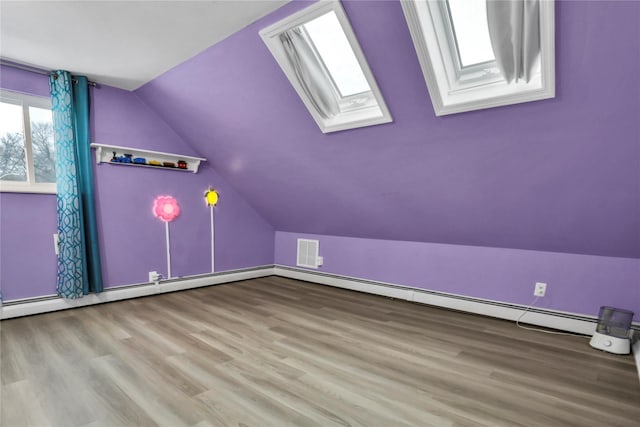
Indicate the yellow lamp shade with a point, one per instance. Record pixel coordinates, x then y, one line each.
211 197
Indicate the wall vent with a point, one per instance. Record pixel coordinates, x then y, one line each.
308 253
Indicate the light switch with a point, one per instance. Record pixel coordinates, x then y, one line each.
56 244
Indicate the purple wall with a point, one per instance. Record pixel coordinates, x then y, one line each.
131 239
23 82
27 221
27 257
502 198
558 175
125 196
576 283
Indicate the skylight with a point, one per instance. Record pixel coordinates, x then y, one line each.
337 55
471 31
320 55
477 54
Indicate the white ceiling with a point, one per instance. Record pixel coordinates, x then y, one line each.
119 43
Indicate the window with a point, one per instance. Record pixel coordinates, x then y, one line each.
318 52
27 154
470 31
464 70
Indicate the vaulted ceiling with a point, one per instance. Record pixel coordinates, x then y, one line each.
123 44
556 175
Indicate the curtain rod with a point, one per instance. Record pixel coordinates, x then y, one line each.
35 70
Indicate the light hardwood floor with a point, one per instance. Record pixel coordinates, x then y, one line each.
279 352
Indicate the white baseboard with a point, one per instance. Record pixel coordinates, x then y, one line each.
564 321
542 317
635 348
26 307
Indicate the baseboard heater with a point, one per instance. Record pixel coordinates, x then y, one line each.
26 307
554 319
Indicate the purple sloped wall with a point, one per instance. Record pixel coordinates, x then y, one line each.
559 175
132 241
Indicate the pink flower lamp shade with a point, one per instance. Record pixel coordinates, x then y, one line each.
166 208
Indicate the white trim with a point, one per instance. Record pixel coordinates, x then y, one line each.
19 98
447 99
28 144
448 33
555 319
25 187
26 308
550 318
345 120
635 348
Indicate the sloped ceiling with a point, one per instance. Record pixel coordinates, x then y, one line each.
557 175
119 43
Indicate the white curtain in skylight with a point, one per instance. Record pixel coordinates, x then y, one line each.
309 72
514 28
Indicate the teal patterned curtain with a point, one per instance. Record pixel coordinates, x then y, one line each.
79 270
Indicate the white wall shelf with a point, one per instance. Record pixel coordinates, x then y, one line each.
105 154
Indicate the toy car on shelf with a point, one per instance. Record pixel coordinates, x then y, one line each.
168 164
140 161
182 164
154 163
127 158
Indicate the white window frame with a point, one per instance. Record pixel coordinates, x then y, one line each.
461 77
456 90
29 186
349 118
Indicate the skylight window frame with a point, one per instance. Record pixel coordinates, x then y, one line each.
348 118
460 77
343 101
453 89
445 10
327 72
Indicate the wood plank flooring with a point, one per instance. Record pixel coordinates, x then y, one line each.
279 352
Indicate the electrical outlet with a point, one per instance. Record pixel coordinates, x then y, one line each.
540 289
154 276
